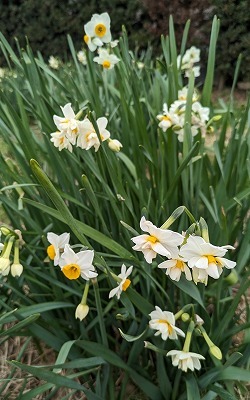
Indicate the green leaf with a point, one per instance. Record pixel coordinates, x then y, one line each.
57 380
130 338
20 325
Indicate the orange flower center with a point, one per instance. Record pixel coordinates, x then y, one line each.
100 30
72 271
180 265
211 260
126 284
152 239
51 252
163 321
106 64
86 38
165 118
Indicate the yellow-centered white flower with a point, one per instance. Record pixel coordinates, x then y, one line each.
164 323
74 265
61 141
175 267
123 284
166 119
68 123
88 137
106 59
205 259
158 241
92 43
57 244
185 360
98 27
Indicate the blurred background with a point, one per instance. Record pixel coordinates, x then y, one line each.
46 23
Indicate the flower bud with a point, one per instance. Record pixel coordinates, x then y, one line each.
185 317
4 266
215 351
81 311
16 269
115 145
5 231
232 278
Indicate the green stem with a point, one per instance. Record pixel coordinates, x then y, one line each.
16 252
176 384
100 313
85 294
188 336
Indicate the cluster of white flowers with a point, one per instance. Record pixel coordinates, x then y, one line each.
185 255
72 131
174 116
54 62
73 265
97 33
6 264
186 63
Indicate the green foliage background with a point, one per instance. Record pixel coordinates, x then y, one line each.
46 24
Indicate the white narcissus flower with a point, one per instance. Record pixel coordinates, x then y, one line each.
195 70
82 311
175 267
183 93
166 119
99 27
105 59
164 323
16 269
200 114
57 244
115 145
158 241
92 43
53 62
88 137
61 141
123 284
205 259
68 123
185 360
74 265
81 55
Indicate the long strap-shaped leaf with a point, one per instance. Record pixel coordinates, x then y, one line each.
78 228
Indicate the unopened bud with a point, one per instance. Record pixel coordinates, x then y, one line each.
81 311
185 317
16 269
5 231
115 145
215 351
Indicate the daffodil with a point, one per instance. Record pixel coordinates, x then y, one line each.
158 241
67 123
185 360
175 267
61 141
115 145
54 62
99 27
166 119
92 43
81 55
106 59
74 265
205 259
123 283
57 245
164 323
88 137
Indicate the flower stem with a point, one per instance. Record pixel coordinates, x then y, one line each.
188 336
